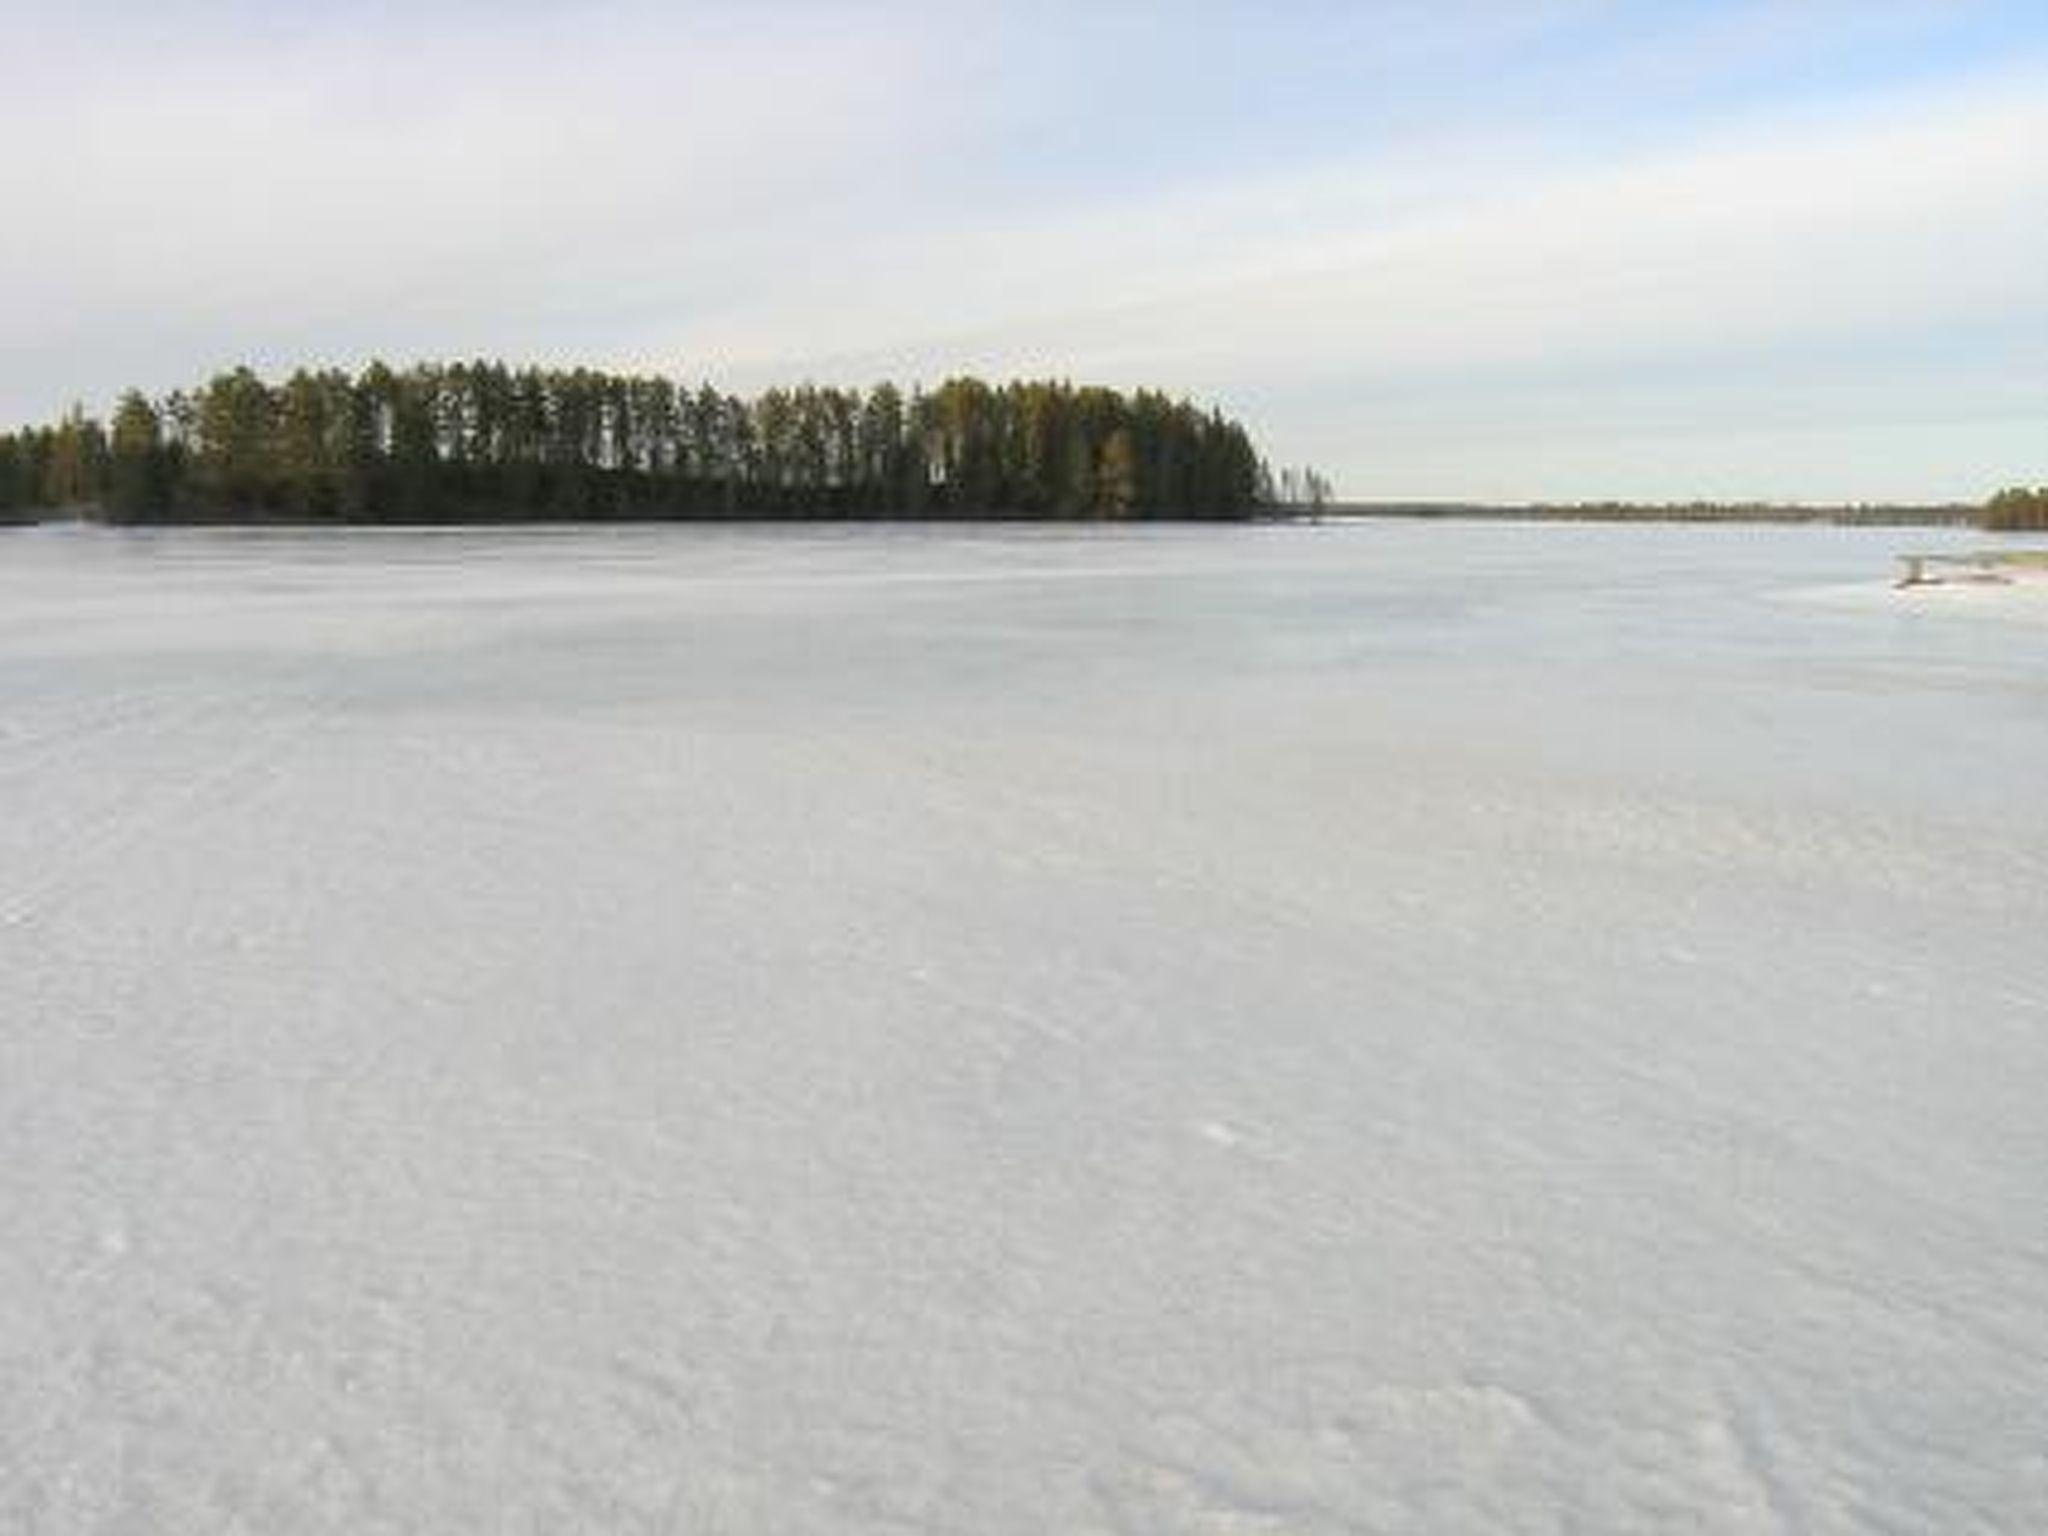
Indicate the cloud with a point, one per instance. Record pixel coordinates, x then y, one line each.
238 195
1427 246
1493 275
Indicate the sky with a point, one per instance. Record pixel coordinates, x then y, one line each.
1439 249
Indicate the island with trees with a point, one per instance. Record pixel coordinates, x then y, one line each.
483 443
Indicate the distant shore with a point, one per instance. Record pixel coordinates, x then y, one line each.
1882 515
1889 516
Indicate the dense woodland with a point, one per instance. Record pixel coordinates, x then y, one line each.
2019 508
479 442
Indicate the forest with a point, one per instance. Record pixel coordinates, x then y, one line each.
481 442
2018 509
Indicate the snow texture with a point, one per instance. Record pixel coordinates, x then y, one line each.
1393 1028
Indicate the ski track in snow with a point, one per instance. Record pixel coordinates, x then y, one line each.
1367 1028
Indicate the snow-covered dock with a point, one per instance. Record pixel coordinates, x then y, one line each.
1995 565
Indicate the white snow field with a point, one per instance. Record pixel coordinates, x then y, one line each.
1377 1028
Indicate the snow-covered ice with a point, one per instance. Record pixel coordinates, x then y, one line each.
1400 1028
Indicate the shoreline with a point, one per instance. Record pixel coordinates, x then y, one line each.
1846 515
1762 517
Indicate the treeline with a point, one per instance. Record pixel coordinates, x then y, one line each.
2018 508
480 442
1835 514
1860 514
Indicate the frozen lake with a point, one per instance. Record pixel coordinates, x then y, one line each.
1406 1028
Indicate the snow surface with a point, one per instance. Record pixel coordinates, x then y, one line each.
1350 1028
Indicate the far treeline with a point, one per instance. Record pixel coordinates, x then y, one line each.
2007 511
480 442
1854 514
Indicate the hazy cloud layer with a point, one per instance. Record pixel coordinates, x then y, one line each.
1454 249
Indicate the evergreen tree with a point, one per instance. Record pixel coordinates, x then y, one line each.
1116 476
73 463
138 478
237 445
14 494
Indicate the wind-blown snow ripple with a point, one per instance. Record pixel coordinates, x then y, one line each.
1448 1028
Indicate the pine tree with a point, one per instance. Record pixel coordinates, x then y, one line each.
1116 476
138 482
14 497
